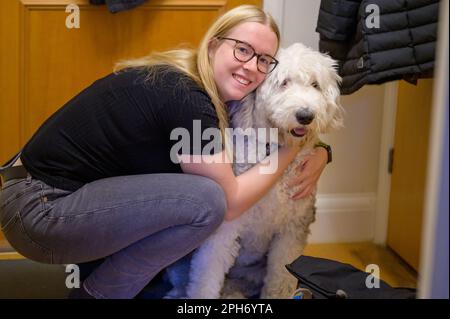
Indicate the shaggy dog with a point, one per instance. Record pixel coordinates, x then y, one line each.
246 257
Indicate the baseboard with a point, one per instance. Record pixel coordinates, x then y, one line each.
344 218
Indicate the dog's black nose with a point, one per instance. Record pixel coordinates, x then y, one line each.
304 116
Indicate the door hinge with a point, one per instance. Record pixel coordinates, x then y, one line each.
391 161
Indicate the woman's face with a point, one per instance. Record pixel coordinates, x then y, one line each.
237 79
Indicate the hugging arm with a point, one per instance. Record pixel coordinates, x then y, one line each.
245 190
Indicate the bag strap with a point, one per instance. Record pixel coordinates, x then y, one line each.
11 161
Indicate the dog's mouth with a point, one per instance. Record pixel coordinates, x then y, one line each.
299 131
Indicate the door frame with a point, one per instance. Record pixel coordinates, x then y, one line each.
433 282
435 242
384 177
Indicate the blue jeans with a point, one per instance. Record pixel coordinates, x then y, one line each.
140 223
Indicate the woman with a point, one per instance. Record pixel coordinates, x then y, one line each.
99 180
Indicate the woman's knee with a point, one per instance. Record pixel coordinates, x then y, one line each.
213 198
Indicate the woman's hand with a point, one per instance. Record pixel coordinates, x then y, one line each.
308 173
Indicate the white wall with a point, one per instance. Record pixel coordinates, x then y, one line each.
348 187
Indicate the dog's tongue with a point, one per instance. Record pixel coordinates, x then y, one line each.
300 131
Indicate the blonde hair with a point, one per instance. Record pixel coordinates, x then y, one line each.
196 63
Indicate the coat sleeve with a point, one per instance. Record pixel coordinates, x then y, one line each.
337 19
336 24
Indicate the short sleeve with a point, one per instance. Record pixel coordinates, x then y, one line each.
191 122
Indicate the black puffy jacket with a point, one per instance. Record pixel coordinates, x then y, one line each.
401 46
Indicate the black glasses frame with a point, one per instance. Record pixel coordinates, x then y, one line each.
258 55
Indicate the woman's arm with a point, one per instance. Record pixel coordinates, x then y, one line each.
245 190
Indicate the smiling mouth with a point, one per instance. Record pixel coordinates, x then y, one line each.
241 80
299 131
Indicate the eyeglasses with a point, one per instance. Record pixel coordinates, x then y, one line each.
244 52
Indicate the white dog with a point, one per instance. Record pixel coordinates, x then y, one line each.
246 257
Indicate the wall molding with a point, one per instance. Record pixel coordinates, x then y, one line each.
344 218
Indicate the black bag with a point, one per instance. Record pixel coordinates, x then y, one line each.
320 278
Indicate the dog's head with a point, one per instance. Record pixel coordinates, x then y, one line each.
301 96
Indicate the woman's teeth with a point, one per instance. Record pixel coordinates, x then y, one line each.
241 79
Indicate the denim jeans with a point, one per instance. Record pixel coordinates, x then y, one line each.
139 224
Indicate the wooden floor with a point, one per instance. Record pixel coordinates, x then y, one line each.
6 252
393 270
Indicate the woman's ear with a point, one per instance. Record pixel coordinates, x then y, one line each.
212 47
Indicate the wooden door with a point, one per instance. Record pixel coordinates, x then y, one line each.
412 129
43 63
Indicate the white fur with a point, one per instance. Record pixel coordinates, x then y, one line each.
247 256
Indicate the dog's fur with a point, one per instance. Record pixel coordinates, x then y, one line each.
246 257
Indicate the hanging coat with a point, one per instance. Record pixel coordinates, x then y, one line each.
376 41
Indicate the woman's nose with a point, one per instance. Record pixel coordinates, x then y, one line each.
252 64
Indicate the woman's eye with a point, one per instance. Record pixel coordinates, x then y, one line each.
264 61
243 50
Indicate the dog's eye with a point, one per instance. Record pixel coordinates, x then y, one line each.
315 85
285 83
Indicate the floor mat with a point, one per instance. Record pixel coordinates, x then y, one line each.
26 279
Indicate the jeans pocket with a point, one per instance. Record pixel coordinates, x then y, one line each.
15 191
18 238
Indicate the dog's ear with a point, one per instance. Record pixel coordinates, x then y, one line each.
334 109
332 94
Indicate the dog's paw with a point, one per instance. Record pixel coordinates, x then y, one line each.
233 295
279 292
176 293
203 292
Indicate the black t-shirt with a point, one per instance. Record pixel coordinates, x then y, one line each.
119 125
